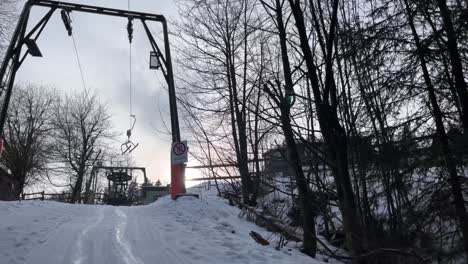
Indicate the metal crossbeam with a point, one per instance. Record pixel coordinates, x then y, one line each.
98 10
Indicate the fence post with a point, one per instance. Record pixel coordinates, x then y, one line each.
42 196
23 196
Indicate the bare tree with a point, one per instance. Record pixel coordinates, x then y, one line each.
216 56
82 126
7 16
281 96
326 97
27 141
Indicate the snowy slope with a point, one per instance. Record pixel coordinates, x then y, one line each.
188 230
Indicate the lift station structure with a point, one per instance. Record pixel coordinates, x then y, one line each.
15 56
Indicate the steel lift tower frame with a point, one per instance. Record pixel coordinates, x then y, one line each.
14 58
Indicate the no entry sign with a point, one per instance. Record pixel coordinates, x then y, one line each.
179 152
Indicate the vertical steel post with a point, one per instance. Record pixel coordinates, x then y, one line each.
13 54
14 40
172 94
177 170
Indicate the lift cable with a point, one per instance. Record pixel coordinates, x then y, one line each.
66 17
79 65
130 73
129 146
130 38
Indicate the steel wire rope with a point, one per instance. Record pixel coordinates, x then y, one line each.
130 67
79 61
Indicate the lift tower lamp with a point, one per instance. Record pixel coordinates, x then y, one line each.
33 49
154 61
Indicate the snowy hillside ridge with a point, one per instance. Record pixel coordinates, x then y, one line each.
189 230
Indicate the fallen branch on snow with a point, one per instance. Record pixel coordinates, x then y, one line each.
258 238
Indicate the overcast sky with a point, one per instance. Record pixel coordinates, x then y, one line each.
104 53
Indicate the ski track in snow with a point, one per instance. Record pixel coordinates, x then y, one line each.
79 255
127 253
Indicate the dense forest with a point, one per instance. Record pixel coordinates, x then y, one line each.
366 100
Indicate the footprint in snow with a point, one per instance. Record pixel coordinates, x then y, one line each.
197 257
186 251
223 214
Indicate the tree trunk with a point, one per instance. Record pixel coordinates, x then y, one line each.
334 137
337 150
238 127
76 191
306 200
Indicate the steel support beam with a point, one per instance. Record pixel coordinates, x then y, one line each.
98 10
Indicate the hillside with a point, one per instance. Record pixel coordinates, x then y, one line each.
189 230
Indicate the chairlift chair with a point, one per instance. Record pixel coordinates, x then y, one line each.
129 146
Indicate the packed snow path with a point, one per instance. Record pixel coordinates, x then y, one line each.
188 230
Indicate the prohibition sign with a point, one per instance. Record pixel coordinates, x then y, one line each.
179 148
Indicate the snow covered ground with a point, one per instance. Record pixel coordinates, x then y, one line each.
188 230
